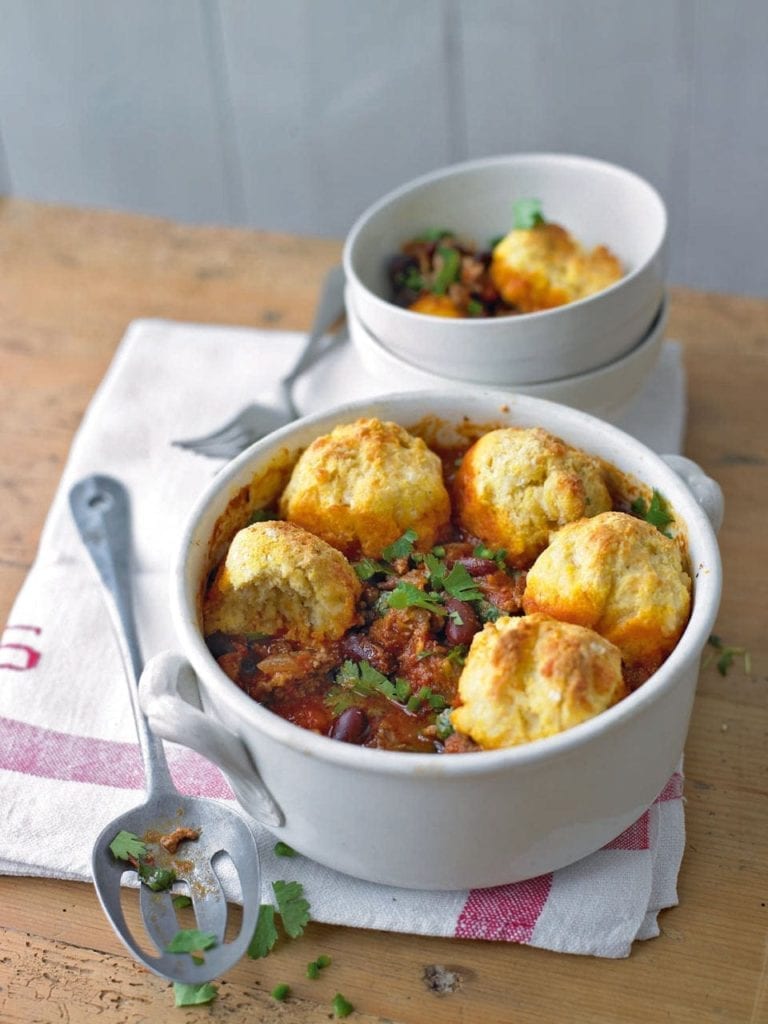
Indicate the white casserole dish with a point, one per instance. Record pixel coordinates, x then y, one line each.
429 821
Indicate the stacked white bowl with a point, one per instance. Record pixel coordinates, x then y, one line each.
594 354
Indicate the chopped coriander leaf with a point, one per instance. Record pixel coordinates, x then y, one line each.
402 688
180 901
313 970
728 654
341 1006
367 568
450 264
412 280
256 638
284 850
156 879
364 678
281 992
407 595
127 846
498 556
657 513
475 308
436 701
292 907
193 995
527 214
417 699
402 547
190 940
339 698
437 570
265 933
488 612
323 960
260 515
457 654
455 617
438 550
443 724
459 584
425 654
434 235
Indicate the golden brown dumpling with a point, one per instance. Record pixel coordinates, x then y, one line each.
280 579
516 485
364 484
620 576
530 677
544 266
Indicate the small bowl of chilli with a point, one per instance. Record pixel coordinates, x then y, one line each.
511 270
441 640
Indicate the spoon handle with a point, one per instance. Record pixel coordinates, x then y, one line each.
101 510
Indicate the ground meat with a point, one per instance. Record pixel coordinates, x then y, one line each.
458 743
503 591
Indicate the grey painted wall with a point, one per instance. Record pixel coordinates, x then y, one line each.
296 115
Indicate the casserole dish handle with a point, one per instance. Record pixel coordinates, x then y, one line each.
705 490
169 697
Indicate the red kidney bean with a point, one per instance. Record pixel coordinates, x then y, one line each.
351 726
476 566
360 648
460 632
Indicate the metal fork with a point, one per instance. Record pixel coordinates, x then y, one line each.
260 418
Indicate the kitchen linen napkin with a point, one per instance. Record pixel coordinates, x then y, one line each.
69 760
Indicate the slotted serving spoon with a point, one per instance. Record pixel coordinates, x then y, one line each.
101 510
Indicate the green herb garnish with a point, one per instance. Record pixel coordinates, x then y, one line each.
341 1006
657 513
443 724
260 515
449 269
265 934
402 547
402 689
457 655
292 907
527 214
156 879
728 654
180 901
127 846
437 570
281 992
498 556
190 940
459 584
364 678
282 849
412 279
488 612
193 995
475 308
407 595
367 568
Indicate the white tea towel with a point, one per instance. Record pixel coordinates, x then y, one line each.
69 760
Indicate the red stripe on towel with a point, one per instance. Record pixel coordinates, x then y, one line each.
505 912
673 789
636 837
48 754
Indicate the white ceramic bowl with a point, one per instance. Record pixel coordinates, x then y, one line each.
429 821
607 391
596 201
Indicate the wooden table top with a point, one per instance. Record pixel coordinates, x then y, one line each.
70 282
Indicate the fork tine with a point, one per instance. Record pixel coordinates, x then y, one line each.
214 435
218 450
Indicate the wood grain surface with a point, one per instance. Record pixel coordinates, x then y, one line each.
70 282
